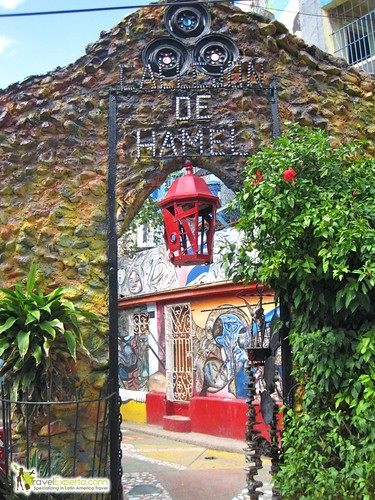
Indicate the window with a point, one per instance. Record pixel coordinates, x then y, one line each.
353 33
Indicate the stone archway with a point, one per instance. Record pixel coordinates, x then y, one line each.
54 142
54 145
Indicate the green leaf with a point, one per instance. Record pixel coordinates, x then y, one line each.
88 314
58 293
35 313
56 323
37 353
30 283
46 346
47 327
32 315
46 307
22 340
71 342
28 379
8 324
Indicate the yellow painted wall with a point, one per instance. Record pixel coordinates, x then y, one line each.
134 411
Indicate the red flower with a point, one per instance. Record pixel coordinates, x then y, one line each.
259 177
289 174
354 193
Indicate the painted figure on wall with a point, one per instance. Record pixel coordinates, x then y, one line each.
146 272
226 331
219 358
151 271
133 352
220 355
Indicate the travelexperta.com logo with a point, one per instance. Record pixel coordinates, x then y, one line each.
26 482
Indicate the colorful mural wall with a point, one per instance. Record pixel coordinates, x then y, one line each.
133 355
146 272
187 346
219 359
150 271
139 351
220 329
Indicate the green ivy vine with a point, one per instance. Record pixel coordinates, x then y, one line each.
308 226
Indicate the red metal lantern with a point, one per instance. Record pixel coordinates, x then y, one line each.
189 213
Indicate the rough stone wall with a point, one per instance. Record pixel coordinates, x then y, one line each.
54 145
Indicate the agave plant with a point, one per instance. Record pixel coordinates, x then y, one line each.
39 336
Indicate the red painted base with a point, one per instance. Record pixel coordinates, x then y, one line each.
178 408
177 423
219 417
214 416
156 407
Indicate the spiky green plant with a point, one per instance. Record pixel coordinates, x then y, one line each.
39 336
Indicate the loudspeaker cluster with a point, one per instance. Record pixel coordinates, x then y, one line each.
189 44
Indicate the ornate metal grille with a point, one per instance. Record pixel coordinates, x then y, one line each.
141 331
141 323
179 353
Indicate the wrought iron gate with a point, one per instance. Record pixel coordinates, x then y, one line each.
179 353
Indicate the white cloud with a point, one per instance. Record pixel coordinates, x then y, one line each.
10 4
5 43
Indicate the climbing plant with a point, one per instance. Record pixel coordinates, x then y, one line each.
308 225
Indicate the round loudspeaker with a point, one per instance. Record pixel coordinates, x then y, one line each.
215 53
188 21
166 56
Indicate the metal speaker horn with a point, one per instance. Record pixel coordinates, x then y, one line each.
167 57
188 21
214 54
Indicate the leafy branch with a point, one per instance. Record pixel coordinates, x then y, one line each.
308 230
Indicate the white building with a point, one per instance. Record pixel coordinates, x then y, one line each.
344 28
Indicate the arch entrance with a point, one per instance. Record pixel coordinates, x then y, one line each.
194 95
54 141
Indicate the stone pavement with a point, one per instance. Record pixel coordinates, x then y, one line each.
164 465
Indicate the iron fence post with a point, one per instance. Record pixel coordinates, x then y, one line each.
115 445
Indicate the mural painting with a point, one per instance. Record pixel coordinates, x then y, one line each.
146 272
221 328
141 352
133 352
150 271
220 351
219 358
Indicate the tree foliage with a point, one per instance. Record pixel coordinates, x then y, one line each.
150 219
308 223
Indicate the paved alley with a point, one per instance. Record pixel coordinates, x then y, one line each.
164 465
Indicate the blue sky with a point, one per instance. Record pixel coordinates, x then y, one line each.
37 44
